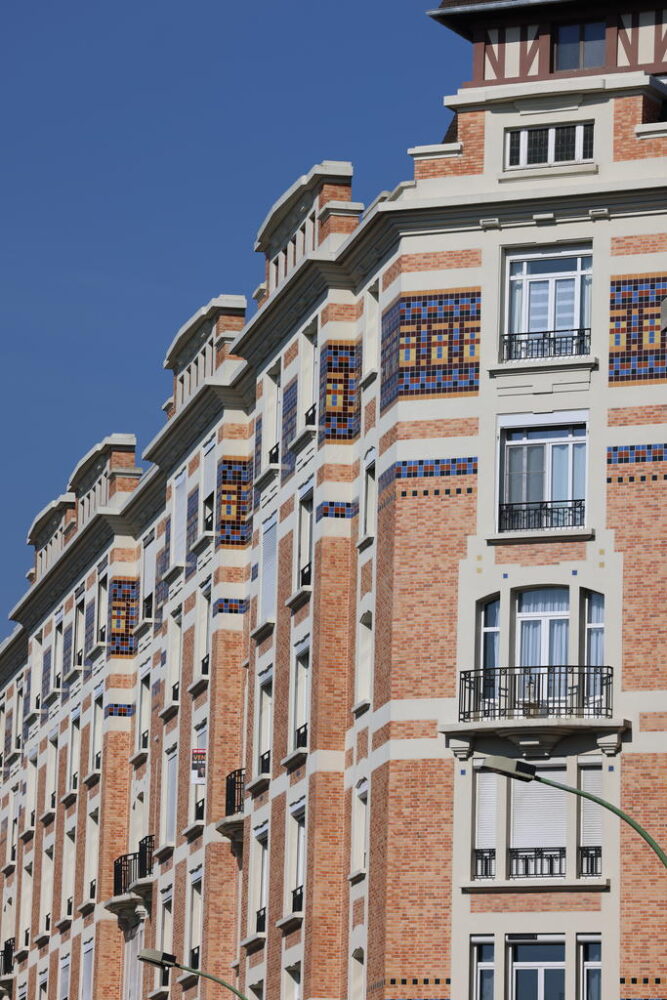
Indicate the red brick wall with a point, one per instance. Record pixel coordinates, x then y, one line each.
469 161
628 113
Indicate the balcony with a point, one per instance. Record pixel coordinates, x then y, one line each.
7 960
535 707
536 862
232 824
132 879
542 515
590 862
484 862
546 344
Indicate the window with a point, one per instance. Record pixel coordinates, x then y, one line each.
370 501
483 965
144 712
297 856
169 795
371 329
486 805
301 699
591 819
305 542
359 826
594 629
262 880
590 965
293 982
166 931
79 632
208 485
309 385
102 608
91 856
199 747
264 726
537 968
51 773
96 737
69 859
548 305
25 904
271 417
45 880
179 520
174 656
267 602
204 630
579 46
537 828
543 477
195 919
73 763
133 967
148 577
357 975
364 671
87 971
57 657
549 145
63 991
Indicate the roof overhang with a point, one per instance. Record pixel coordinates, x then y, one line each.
221 303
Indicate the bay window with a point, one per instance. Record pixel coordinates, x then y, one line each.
548 304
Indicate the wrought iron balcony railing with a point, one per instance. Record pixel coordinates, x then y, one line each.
546 344
130 867
484 862
542 515
536 862
535 692
234 792
7 957
590 862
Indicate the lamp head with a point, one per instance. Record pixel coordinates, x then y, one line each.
162 959
509 766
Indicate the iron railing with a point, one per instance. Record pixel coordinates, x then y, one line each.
541 515
546 344
130 867
301 737
7 957
590 861
535 692
297 899
484 862
536 862
234 792
260 920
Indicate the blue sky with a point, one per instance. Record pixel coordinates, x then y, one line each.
143 143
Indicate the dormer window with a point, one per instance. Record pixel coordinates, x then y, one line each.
579 46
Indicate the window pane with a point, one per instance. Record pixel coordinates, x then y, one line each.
595 608
558 631
552 265
559 472
486 984
564 311
516 307
595 647
579 472
564 145
535 479
531 644
485 953
567 47
585 302
592 951
594 44
526 984
593 984
538 145
492 613
515 475
544 599
490 650
538 306
588 142
539 951
514 150
554 984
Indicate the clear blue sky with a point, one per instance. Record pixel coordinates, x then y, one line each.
143 143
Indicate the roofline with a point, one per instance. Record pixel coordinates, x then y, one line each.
110 441
64 500
280 208
235 303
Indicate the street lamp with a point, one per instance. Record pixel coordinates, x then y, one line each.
163 960
521 770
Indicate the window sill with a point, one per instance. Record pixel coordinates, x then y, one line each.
171 708
357 876
71 675
231 826
97 650
47 816
49 699
138 757
258 784
173 572
546 170
62 924
253 942
368 378
21 954
187 979
86 907
194 830
294 759
361 707
263 630
266 476
541 535
199 684
69 798
303 437
290 921
42 938
298 598
579 362
164 851
537 885
92 778
8 868
365 542
144 626
27 834
202 542
651 130
161 993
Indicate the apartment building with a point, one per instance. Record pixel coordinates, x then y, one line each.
407 514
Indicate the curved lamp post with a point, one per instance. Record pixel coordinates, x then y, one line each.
523 771
163 960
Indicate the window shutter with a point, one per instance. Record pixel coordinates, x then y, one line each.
179 525
268 581
208 478
538 812
485 819
591 814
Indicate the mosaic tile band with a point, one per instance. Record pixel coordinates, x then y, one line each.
234 480
337 509
629 453
118 711
428 468
230 606
123 616
340 402
430 345
637 348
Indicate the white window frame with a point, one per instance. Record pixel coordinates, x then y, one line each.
479 965
586 965
551 144
305 535
540 966
170 795
546 253
369 510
